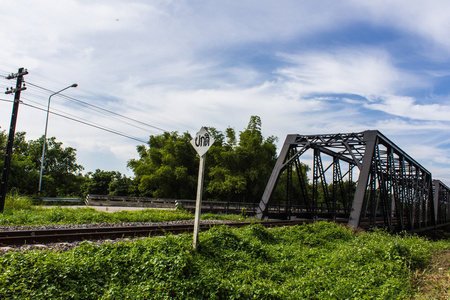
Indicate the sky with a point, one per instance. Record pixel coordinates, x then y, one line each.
305 67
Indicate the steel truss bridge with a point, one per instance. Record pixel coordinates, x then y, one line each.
391 189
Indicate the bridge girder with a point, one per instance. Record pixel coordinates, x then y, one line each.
392 188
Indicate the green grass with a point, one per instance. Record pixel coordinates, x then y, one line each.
317 261
14 202
61 215
20 212
36 216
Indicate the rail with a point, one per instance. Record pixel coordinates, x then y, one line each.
43 236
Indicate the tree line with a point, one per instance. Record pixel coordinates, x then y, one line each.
237 167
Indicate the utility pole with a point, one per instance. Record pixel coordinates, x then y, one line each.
12 131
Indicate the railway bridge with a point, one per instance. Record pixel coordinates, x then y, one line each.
363 177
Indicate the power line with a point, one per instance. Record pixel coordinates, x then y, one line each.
89 124
99 108
120 117
75 118
38 91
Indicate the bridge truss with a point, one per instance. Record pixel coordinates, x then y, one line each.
392 190
441 194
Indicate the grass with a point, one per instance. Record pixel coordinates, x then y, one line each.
20 212
433 282
316 261
14 202
60 215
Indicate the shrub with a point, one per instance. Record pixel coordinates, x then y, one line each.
16 202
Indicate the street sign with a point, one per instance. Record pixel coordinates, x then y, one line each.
202 141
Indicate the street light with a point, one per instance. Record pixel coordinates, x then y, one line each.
45 135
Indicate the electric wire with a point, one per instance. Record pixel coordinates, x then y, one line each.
85 104
127 123
89 124
69 115
98 107
35 90
76 119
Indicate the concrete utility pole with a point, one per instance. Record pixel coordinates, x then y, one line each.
12 131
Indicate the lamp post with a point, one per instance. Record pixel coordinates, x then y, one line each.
45 135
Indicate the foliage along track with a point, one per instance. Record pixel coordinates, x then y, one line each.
44 236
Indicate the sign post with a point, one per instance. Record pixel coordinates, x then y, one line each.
201 143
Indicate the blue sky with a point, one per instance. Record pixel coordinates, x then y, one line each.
304 67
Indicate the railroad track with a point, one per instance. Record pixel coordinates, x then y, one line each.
46 236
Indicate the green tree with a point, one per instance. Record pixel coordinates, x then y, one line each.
121 186
258 156
224 181
167 168
235 170
300 188
23 175
98 183
62 175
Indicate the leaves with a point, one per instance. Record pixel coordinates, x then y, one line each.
60 215
235 171
61 172
317 261
167 168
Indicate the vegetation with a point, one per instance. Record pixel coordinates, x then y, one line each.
434 281
61 172
237 168
108 183
20 212
60 215
14 203
318 261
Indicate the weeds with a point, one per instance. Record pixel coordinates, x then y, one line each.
19 211
61 215
16 202
315 261
245 263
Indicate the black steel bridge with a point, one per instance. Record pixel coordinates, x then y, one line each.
362 177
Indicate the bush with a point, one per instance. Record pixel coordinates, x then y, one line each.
239 263
16 202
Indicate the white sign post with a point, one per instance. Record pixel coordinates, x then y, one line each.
201 143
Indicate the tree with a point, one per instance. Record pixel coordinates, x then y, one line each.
223 179
235 170
167 168
107 183
242 172
300 190
61 172
121 186
62 175
23 174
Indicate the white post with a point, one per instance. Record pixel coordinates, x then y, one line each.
198 204
201 143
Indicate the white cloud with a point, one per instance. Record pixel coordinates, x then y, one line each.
179 65
407 107
398 126
361 71
429 20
